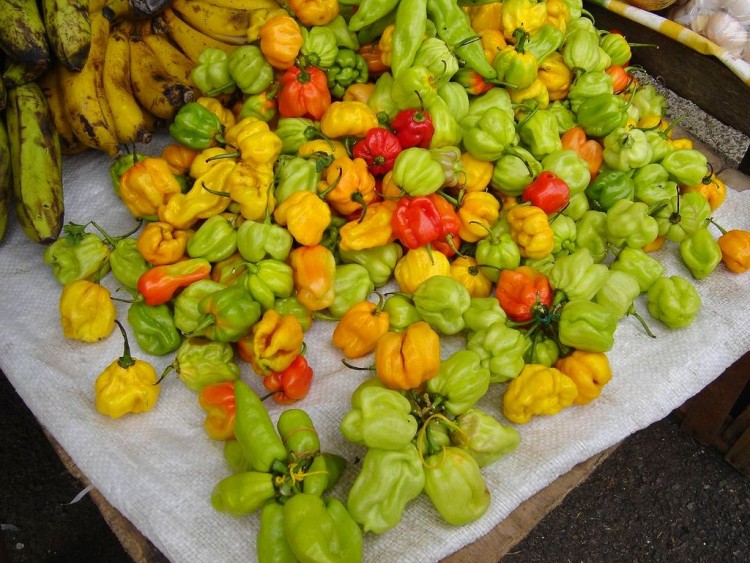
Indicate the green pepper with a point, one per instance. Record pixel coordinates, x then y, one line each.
447 131
369 12
254 429
659 144
415 87
292 132
257 241
292 306
566 119
211 73
215 240
601 114
629 224
436 57
259 106
649 101
486 137
349 67
379 261
515 66
609 187
271 543
228 314
298 434
200 361
625 149
581 50
591 233
564 231
571 168
617 47
127 263
77 255
241 494
652 185
497 252
344 37
543 349
618 293
401 312
249 69
538 133
379 418
187 316
588 84
323 474
408 34
319 530
482 312
700 252
235 457
484 437
195 126
456 98
493 98
415 171
577 275
682 216
578 204
319 46
461 381
575 9
586 325
674 301
545 41
122 164
644 268
387 482
515 170
267 280
351 284
154 328
455 486
687 167
442 301
381 100
294 174
501 350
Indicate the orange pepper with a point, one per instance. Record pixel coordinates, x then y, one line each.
280 41
313 269
655 244
348 186
373 56
735 250
179 157
590 371
314 12
147 185
305 216
405 360
217 399
273 343
371 229
358 331
714 190
161 243
589 150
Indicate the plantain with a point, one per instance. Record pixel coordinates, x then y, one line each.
190 41
36 163
17 73
68 30
175 61
50 84
22 34
225 24
5 180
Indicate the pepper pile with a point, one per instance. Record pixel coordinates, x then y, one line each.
500 164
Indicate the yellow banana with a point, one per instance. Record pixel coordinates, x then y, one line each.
155 88
118 10
50 84
68 30
247 4
174 60
5 179
36 163
90 115
130 124
190 41
223 24
22 34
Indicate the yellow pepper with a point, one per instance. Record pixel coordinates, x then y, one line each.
305 216
359 92
358 331
486 16
258 18
160 243
314 270
417 265
492 43
147 185
555 75
314 12
386 45
715 191
255 141
538 390
590 371
183 210
371 230
477 173
477 211
273 343
388 187
347 185
530 230
528 15
466 270
280 41
677 144
87 312
558 14
405 360
225 115
251 187
343 119
179 157
127 385
335 148
206 160
652 121
536 94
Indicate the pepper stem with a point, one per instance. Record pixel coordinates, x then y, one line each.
126 360
632 312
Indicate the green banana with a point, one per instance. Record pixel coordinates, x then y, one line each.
22 34
68 30
20 73
36 163
5 180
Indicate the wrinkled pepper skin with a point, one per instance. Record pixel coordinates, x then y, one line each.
200 361
538 390
701 253
77 258
441 301
273 343
217 400
461 380
359 329
590 371
154 328
387 482
674 301
636 262
405 360
501 350
87 312
483 436
586 325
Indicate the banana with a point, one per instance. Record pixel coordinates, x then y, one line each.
228 25
85 101
17 73
50 84
174 60
68 30
36 163
130 123
118 10
190 41
248 4
22 34
156 89
5 179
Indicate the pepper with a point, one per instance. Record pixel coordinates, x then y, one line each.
211 73
154 328
291 384
609 187
441 301
569 167
227 314
581 50
243 493
687 167
625 149
271 542
649 101
195 126
565 230
629 224
257 241
586 325
712 188
77 255
297 173
588 149
267 280
303 92
225 114
482 312
538 133
127 385
601 114
260 106
120 165
418 221
413 127
347 185
644 268
159 284
700 252
538 390
466 271
305 215
476 174
577 206
484 437
249 70
455 486
588 84
682 216
405 360
147 185
313 269
160 243
401 312
256 144
487 136
127 263
591 233
516 67
86 311
577 275
378 149
417 265
515 170
501 350
674 301
408 34
548 192
521 290
735 249
251 186
371 230
349 67
388 480
461 381
529 228
359 328
435 55
254 430
323 474
217 400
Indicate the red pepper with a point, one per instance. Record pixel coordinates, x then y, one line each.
420 220
303 92
292 384
413 127
378 149
217 399
621 78
548 192
522 291
160 283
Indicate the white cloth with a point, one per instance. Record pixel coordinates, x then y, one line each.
158 468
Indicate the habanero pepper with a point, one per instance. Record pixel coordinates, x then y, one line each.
420 220
303 93
378 149
521 291
159 284
291 384
413 128
547 192
217 400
